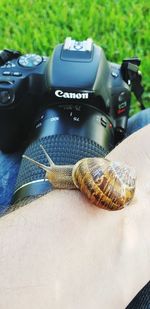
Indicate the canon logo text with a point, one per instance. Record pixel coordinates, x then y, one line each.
72 95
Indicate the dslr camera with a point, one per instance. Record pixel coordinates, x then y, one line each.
75 103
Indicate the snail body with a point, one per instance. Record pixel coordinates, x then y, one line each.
107 184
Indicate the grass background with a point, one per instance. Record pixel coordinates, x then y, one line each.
121 27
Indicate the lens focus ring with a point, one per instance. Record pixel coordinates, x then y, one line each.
63 149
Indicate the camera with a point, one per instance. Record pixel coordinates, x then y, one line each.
75 103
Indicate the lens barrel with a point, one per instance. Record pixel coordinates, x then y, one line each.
68 133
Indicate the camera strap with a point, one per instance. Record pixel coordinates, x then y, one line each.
7 55
132 76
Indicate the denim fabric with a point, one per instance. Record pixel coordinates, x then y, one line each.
9 167
9 163
138 121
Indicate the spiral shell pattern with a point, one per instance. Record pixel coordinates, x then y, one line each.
108 185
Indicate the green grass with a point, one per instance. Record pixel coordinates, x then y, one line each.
121 27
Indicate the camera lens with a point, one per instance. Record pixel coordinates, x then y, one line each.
68 133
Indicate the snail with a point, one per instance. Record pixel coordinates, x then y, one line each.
107 184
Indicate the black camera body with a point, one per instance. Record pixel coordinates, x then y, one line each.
75 103
76 74
22 86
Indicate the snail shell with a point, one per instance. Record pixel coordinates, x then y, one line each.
107 184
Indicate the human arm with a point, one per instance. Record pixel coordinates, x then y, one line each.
62 252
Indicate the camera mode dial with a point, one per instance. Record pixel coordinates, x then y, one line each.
30 60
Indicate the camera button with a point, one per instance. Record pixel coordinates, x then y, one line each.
114 74
4 97
6 73
7 94
17 74
9 65
103 122
122 97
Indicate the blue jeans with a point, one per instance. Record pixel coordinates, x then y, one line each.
9 163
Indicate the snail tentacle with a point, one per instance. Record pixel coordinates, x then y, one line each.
44 167
60 176
47 156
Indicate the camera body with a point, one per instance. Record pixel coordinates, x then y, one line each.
78 74
21 91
